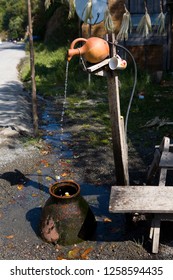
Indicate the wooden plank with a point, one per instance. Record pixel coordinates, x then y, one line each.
141 199
98 66
157 146
134 6
169 40
156 6
135 40
165 144
154 166
166 160
137 6
156 227
162 177
164 148
140 7
156 235
150 7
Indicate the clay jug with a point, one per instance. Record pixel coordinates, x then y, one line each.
66 217
94 50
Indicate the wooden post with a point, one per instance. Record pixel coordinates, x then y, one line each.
32 67
117 126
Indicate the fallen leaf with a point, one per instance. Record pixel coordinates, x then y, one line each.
39 171
10 236
48 178
64 164
75 156
50 133
73 254
45 163
64 174
34 194
12 201
107 220
44 152
20 187
84 255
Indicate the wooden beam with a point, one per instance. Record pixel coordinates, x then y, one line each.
117 127
98 66
166 160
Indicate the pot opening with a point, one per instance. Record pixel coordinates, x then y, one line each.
64 189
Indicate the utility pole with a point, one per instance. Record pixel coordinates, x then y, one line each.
32 67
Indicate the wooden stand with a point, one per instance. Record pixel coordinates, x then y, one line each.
120 150
149 199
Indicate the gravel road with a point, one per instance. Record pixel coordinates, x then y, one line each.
15 106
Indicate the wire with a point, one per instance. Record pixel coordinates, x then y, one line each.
134 85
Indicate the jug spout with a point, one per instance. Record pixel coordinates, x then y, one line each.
71 53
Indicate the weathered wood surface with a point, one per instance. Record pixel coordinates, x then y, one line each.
141 199
98 65
156 227
118 134
154 166
166 160
157 164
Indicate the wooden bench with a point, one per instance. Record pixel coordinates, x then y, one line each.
144 199
149 199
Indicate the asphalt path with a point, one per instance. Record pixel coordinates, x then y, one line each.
15 107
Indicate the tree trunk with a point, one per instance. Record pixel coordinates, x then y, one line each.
32 67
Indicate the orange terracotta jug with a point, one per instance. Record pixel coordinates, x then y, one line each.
94 50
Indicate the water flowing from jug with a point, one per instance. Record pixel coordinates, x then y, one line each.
65 97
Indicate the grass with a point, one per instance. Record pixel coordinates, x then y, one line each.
32 141
49 69
50 66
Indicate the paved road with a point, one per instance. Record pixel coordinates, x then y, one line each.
15 109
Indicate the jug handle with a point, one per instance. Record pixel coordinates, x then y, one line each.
76 41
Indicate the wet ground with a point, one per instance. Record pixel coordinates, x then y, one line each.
25 189
24 194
